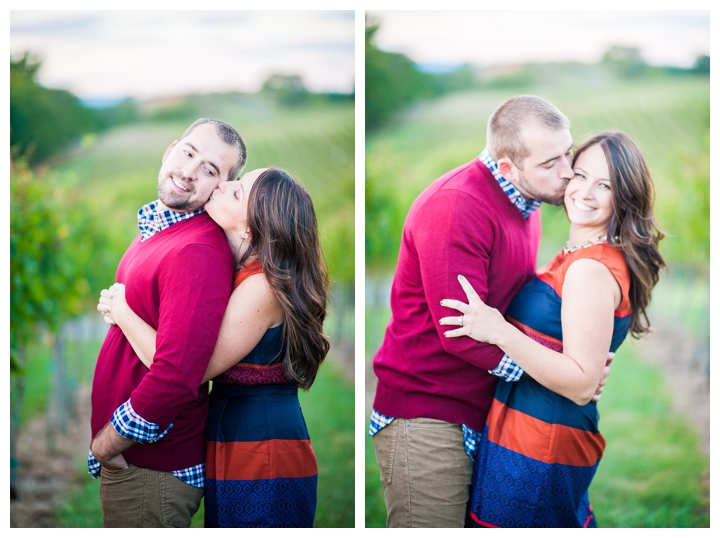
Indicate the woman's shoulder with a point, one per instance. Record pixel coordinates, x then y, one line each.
610 256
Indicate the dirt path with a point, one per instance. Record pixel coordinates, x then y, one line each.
45 476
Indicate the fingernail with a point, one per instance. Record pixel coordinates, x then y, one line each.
461 277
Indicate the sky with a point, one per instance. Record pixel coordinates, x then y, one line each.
486 38
149 54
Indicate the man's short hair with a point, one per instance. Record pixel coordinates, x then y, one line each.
229 135
505 126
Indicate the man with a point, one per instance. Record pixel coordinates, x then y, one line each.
148 425
433 393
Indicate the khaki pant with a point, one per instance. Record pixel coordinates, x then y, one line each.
425 471
137 497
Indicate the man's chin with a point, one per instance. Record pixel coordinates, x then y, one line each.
181 205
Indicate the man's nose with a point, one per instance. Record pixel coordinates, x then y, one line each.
566 171
189 170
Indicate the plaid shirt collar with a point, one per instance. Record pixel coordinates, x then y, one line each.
525 206
151 220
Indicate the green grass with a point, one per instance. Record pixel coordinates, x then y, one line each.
652 472
329 413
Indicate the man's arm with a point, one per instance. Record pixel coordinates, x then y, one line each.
453 235
194 289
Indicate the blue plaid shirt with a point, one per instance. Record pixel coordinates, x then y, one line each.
507 369
151 221
524 206
125 420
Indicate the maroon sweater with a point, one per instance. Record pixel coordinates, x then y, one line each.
461 224
179 281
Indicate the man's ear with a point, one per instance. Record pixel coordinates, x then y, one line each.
167 151
507 169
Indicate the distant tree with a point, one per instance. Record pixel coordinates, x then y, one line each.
702 65
288 90
392 81
43 121
626 61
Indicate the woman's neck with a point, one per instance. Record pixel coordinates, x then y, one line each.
239 246
580 234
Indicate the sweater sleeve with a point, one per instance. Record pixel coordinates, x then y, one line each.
454 235
194 287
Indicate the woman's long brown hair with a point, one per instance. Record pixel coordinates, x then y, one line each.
632 228
284 234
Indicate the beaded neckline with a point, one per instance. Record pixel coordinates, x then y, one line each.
567 249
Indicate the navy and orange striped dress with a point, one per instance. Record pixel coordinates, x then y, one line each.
260 468
539 450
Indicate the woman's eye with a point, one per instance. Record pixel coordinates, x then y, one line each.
579 175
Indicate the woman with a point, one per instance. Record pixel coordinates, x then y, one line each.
260 465
541 444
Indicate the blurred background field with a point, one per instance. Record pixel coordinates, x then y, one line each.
79 172
655 411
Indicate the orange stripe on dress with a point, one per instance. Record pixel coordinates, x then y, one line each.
257 460
549 443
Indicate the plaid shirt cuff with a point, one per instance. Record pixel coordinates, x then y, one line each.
132 426
93 465
508 370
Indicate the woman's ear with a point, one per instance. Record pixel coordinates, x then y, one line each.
247 236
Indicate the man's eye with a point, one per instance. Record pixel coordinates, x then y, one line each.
235 195
210 171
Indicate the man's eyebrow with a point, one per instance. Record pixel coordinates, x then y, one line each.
217 169
553 158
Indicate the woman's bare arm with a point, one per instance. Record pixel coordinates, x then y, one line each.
590 296
251 311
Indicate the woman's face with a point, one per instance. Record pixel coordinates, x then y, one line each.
228 203
588 197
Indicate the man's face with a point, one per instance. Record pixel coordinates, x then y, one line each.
193 167
547 170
